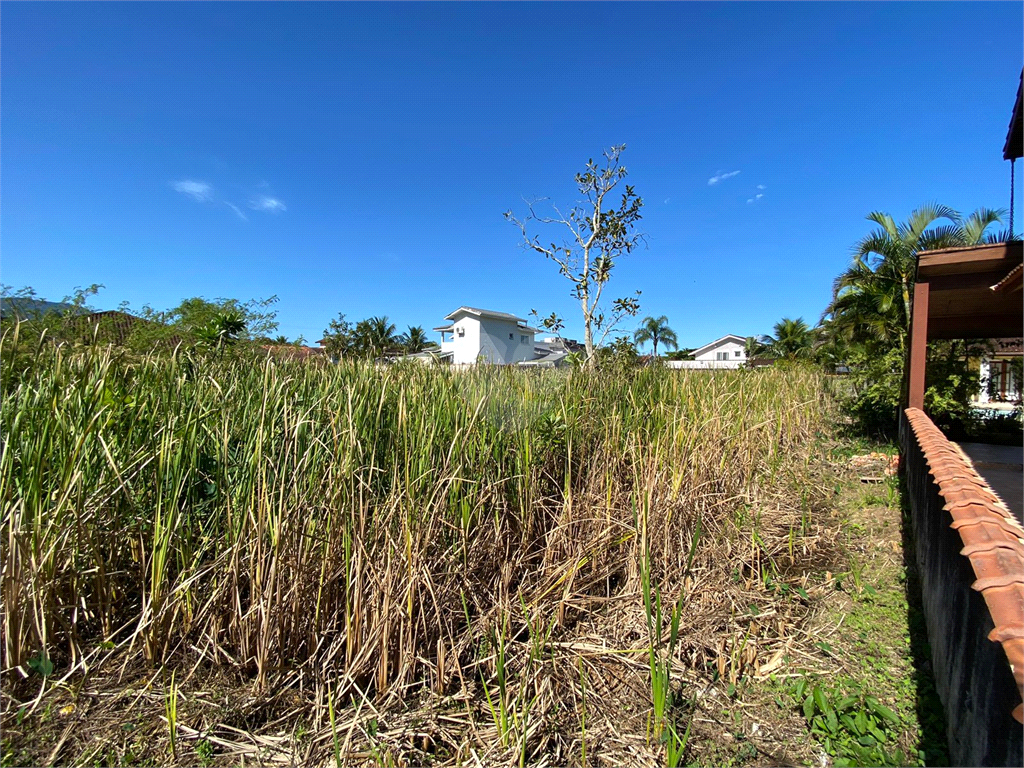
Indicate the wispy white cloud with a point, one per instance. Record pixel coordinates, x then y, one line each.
237 210
719 177
761 186
265 203
667 200
758 196
203 192
199 191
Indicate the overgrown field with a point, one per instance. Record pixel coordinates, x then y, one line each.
218 561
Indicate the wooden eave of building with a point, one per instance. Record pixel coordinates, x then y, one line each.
1012 283
1015 135
960 300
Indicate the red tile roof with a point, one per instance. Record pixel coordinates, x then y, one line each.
993 539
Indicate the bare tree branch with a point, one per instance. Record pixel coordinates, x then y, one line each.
598 235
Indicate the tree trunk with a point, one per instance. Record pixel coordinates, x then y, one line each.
588 333
588 343
655 347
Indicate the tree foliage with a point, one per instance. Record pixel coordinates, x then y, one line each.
656 331
793 340
871 299
415 340
866 324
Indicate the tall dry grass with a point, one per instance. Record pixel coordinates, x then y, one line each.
376 535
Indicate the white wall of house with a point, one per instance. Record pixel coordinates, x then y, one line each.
729 351
474 338
707 365
504 343
465 344
997 368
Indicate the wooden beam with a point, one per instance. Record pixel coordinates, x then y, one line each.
952 261
981 281
918 346
988 326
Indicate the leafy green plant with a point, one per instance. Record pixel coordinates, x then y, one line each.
204 752
41 665
854 728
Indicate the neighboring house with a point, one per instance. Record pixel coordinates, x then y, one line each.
110 327
730 351
481 335
79 325
999 383
552 352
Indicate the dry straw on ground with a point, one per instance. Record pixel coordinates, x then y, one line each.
408 565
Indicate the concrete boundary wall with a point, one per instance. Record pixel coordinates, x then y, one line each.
957 531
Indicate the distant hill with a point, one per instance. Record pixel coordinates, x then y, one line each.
28 308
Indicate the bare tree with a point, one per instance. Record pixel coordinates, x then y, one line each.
596 232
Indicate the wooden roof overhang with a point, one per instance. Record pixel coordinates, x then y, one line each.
1014 146
964 293
962 303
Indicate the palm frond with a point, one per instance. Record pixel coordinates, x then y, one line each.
922 218
974 226
1002 236
885 221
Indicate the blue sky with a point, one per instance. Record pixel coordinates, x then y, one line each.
357 158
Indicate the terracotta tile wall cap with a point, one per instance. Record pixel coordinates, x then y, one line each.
985 546
993 520
993 539
1002 580
1007 632
998 563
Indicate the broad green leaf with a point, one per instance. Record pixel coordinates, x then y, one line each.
845 703
801 686
882 711
832 722
819 699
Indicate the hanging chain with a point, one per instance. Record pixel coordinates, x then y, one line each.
1013 166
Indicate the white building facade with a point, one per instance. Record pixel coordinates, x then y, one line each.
484 336
728 352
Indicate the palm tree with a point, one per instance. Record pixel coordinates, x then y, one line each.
871 299
415 340
656 331
376 335
793 340
754 347
222 329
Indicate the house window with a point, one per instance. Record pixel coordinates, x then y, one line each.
511 335
524 339
721 355
461 331
738 353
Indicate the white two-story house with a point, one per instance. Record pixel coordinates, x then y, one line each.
727 352
481 335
